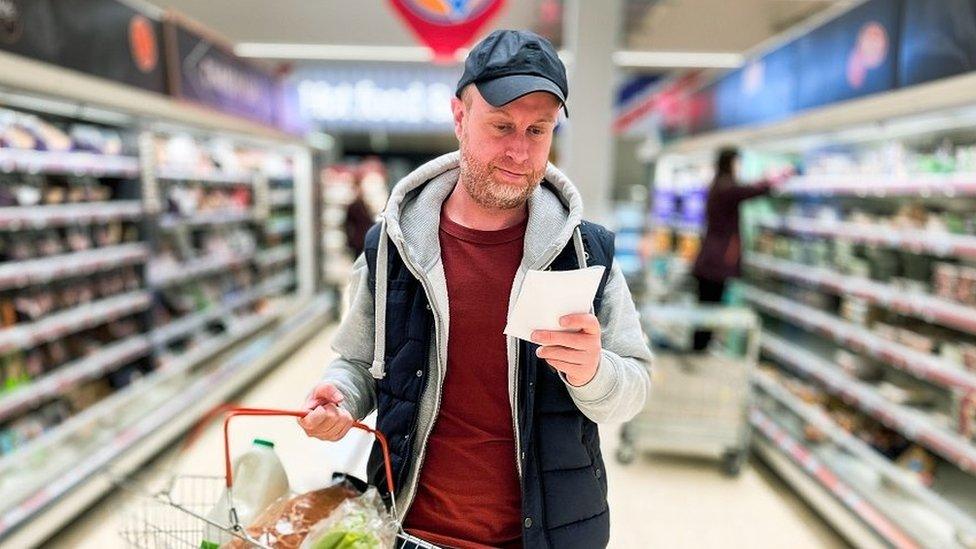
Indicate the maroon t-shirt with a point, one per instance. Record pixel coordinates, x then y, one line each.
469 493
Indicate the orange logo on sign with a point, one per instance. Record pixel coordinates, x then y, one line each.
142 43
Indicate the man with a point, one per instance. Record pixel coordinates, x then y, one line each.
493 440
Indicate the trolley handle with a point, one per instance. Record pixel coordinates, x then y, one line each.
235 412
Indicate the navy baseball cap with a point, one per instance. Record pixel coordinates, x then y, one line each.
508 64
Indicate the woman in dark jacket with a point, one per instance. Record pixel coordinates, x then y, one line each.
721 250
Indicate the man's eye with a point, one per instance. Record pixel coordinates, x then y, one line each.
537 131
501 127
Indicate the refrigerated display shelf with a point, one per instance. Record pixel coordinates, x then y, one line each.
275 256
14 218
72 374
860 339
282 197
910 423
19 274
189 324
214 178
938 243
106 409
877 186
131 445
218 217
73 320
963 524
829 481
164 275
917 304
68 162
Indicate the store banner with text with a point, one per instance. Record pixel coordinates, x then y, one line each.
203 71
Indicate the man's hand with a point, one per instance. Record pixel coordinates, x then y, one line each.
325 419
575 354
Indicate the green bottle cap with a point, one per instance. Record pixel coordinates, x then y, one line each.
209 545
263 442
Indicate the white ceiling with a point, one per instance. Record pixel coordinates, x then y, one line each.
367 22
650 25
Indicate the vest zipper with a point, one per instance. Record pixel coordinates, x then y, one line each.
404 507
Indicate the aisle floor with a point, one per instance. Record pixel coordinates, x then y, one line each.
656 502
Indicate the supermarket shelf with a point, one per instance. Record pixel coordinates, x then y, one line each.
277 255
280 227
58 502
955 184
68 162
219 217
210 178
163 275
920 305
939 243
72 374
964 524
279 282
73 320
858 338
828 481
282 197
913 425
15 218
19 274
185 326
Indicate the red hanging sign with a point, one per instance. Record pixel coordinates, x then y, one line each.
447 25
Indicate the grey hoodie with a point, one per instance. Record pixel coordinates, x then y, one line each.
411 220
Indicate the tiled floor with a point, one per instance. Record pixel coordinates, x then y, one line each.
656 502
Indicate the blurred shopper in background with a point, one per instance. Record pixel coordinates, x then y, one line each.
721 250
358 218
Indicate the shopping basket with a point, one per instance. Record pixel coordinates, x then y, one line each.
176 516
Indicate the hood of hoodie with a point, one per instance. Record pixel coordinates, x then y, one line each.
413 212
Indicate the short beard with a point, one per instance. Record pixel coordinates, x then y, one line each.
481 186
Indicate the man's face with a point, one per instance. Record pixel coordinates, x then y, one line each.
504 150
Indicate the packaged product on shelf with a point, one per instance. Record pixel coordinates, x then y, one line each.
13 371
856 365
966 288
964 413
945 280
920 463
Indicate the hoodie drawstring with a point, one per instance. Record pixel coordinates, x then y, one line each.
378 370
581 255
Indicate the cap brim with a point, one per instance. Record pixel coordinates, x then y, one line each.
504 90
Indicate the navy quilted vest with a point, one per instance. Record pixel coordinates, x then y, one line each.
564 488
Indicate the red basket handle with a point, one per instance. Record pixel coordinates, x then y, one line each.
235 412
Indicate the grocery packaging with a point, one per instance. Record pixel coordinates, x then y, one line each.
358 523
287 521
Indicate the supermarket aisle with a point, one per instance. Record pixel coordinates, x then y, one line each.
657 502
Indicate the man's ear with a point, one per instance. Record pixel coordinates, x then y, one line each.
457 107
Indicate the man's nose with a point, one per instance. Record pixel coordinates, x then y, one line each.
518 149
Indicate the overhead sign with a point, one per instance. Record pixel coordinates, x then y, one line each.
204 72
851 56
359 98
938 40
445 26
105 38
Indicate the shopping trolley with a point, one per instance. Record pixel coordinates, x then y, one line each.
176 516
699 401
